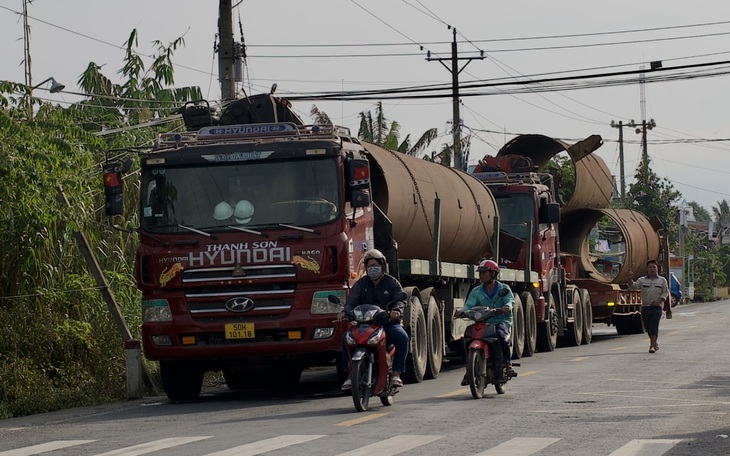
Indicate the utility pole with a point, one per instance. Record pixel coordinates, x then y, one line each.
226 59
620 126
458 159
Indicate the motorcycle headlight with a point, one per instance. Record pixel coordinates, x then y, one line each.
375 338
349 340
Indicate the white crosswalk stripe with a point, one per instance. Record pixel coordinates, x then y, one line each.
646 447
43 447
263 446
393 445
520 446
155 445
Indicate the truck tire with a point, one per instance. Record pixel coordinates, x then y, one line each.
434 333
415 325
518 329
528 303
181 381
547 331
574 332
585 297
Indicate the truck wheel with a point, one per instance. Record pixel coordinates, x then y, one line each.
585 298
528 303
434 334
415 323
518 329
547 332
675 300
182 381
574 333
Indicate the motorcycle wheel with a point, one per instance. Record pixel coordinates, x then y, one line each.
386 397
501 385
475 366
361 384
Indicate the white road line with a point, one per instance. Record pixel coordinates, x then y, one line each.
43 447
155 445
262 446
519 446
648 447
393 445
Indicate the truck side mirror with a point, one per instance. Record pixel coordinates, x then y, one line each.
549 213
113 191
358 185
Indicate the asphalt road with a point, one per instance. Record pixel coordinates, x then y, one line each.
611 397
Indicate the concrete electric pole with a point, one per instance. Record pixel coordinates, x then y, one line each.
455 70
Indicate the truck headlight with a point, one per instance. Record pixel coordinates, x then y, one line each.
320 304
156 310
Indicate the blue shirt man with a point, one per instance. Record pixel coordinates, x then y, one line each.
494 295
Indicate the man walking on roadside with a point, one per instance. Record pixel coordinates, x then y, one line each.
654 291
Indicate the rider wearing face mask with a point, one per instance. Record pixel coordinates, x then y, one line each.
377 287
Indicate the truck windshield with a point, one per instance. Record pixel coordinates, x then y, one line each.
259 194
515 211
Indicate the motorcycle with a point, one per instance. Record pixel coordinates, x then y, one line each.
371 364
484 364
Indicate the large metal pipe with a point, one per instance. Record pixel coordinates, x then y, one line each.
641 241
593 181
405 187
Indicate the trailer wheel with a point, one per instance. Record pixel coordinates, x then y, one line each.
415 322
518 329
547 332
434 334
182 381
574 333
585 298
528 303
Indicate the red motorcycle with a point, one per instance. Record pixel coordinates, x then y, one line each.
484 363
371 362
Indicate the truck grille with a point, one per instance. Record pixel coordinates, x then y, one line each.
284 271
271 287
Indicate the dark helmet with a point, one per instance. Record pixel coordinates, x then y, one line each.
374 254
488 265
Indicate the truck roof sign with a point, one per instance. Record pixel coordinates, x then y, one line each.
229 131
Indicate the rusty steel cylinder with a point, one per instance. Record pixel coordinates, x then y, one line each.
405 188
641 241
593 182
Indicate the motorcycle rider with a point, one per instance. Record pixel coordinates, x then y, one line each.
377 287
494 295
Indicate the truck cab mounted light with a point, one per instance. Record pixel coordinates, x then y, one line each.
162 341
323 333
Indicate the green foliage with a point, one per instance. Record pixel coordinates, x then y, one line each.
377 131
59 345
652 196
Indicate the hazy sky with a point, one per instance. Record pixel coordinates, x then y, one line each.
295 44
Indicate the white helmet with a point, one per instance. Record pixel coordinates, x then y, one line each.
243 212
222 211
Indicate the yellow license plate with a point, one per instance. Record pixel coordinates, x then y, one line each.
240 331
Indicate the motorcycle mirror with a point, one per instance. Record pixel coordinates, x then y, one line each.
333 299
503 292
402 296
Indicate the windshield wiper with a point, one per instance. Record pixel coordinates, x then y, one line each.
194 230
300 228
248 230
